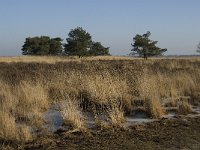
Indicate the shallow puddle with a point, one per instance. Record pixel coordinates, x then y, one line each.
55 120
137 118
170 114
134 121
196 109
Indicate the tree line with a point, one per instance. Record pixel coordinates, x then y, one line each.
79 43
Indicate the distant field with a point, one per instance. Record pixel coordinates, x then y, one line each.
54 59
115 87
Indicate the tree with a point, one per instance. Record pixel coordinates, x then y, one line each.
78 42
97 49
145 47
56 46
198 48
36 46
42 45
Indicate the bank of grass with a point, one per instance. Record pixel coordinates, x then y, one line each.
111 85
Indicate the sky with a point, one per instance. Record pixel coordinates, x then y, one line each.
175 24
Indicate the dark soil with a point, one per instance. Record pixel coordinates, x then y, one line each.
175 133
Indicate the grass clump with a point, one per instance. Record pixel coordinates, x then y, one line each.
184 108
32 102
21 106
8 127
154 108
72 113
116 113
9 130
149 92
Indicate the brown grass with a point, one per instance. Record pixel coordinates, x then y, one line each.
8 128
116 113
28 85
21 105
72 113
55 59
184 108
6 147
149 92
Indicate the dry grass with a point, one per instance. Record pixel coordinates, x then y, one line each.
6 147
149 92
72 113
55 59
154 108
102 88
8 128
28 85
32 98
6 97
184 108
116 113
21 105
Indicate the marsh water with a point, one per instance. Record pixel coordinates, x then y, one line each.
55 119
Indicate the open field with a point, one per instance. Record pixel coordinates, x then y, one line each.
56 59
102 90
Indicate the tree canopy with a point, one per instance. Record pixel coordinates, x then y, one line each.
80 43
97 49
144 47
42 45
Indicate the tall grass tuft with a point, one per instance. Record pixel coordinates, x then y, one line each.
8 127
72 113
149 92
116 113
184 108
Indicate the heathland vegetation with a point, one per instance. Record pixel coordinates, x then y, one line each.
102 90
113 86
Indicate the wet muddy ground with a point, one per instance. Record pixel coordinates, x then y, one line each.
179 132
173 131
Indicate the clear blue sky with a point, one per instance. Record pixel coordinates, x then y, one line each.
175 24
